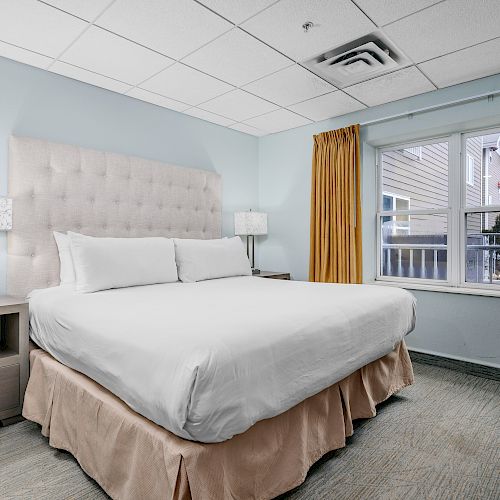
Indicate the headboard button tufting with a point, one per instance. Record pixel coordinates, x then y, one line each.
102 194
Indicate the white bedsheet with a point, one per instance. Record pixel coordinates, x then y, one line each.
207 360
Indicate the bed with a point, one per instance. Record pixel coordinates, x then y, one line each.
227 388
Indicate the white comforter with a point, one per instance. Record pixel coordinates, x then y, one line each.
207 360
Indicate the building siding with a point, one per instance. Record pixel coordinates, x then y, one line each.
425 182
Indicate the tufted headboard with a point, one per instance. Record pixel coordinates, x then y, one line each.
57 187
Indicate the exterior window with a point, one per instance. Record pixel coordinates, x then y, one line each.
413 238
469 171
396 224
482 211
450 232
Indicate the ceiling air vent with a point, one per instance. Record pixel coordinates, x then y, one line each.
357 61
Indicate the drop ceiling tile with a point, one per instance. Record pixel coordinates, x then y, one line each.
24 56
185 84
174 28
465 65
279 120
88 77
327 106
247 129
110 55
159 100
386 11
86 9
290 85
209 117
38 27
237 10
445 27
238 105
392 87
335 23
237 58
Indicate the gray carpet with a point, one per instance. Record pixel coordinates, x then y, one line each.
439 439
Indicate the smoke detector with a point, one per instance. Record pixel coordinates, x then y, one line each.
357 61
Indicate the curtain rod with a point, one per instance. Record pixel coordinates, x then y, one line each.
434 107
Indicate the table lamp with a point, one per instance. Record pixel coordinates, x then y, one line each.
250 224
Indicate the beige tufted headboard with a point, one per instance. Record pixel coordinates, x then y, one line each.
57 187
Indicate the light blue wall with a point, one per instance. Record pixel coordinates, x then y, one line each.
40 104
461 326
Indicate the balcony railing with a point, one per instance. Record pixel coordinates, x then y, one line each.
414 260
429 260
483 252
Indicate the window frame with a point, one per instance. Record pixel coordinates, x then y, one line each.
456 211
431 211
464 210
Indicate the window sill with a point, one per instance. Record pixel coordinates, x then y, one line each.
438 288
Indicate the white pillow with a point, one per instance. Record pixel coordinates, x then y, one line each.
66 267
199 260
104 263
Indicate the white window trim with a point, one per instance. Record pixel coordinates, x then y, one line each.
456 211
432 287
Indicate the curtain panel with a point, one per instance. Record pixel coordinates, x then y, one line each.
335 252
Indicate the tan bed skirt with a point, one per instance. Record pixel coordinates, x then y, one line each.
132 458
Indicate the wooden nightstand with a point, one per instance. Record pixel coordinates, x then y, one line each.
14 360
273 275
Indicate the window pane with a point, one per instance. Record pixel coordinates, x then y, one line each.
482 170
387 202
418 175
402 204
416 250
483 248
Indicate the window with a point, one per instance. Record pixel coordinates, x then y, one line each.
396 223
470 170
481 236
439 218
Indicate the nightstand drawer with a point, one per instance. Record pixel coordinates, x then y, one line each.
9 387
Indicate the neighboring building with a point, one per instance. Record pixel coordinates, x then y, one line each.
417 178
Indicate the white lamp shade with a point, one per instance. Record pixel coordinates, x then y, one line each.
5 214
250 223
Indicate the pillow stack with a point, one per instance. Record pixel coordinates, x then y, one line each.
91 264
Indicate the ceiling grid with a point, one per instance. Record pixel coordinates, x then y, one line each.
241 64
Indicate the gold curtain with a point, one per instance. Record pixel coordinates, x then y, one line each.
335 255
